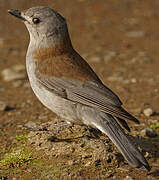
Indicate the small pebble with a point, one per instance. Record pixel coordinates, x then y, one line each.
18 68
10 75
156 90
153 121
127 81
17 84
95 59
87 164
148 112
30 124
132 61
128 178
136 34
133 80
151 177
148 132
115 78
114 177
141 54
3 106
109 55
70 162
146 58
131 21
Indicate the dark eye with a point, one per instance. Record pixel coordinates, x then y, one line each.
36 20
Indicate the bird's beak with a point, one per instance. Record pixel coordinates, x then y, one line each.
17 14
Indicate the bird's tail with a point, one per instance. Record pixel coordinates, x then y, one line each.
109 126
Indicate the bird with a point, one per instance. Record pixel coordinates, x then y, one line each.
65 83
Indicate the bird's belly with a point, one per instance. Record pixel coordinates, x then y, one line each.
62 107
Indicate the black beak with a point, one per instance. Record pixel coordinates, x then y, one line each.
17 14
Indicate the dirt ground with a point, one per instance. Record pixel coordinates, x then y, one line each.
120 40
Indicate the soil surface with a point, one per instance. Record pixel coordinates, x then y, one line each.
120 40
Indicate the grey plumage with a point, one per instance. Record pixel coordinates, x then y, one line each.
66 84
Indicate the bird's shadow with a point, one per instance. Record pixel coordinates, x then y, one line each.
93 134
150 145
147 145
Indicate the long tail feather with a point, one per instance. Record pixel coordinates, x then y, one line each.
109 126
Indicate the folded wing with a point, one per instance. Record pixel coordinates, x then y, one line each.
92 94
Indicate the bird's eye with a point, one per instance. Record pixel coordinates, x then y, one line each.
36 20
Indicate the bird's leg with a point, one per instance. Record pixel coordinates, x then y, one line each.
95 133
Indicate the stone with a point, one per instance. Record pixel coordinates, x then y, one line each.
156 90
70 162
115 78
133 21
133 80
148 132
3 106
114 177
30 124
18 67
87 164
128 178
136 34
151 177
17 83
10 75
146 58
109 55
148 112
126 81
95 59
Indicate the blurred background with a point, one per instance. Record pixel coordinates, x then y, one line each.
119 39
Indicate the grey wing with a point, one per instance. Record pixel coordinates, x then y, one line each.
92 94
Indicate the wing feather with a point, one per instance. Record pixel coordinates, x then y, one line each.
91 94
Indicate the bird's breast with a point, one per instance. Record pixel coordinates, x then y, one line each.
62 107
